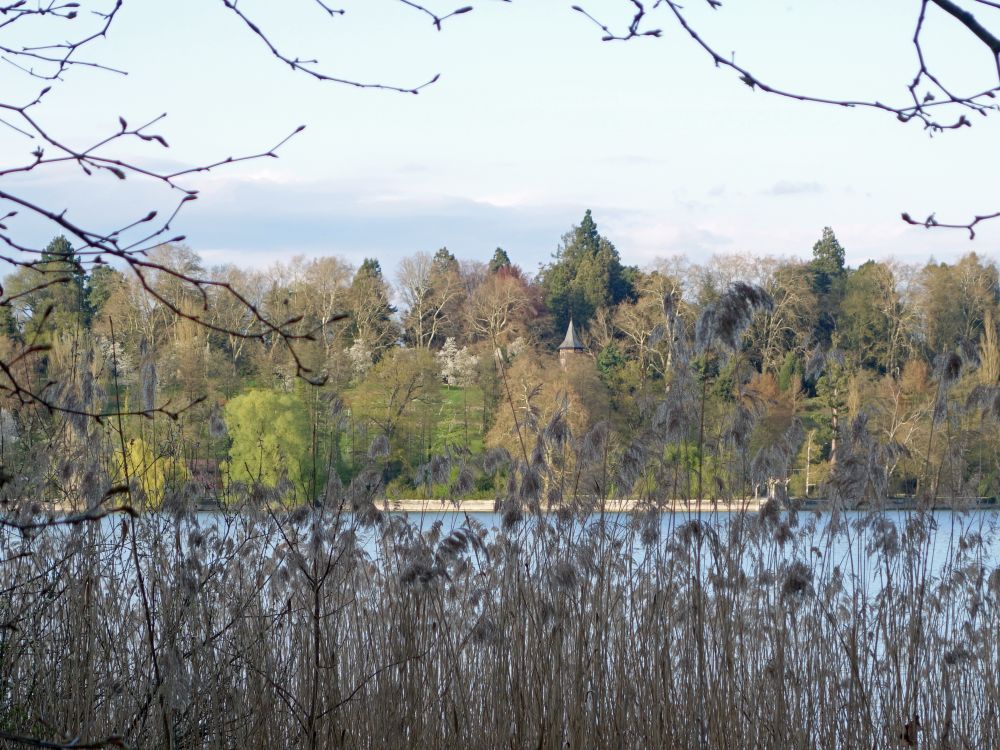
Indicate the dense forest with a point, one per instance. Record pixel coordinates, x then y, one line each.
457 357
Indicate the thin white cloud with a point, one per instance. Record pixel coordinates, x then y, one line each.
786 187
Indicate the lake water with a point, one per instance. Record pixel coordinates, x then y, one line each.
852 542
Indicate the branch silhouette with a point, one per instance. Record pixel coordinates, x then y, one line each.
930 100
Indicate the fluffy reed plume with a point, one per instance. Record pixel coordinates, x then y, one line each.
723 322
216 425
379 447
986 400
495 459
947 368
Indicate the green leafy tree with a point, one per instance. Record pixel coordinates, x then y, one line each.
270 434
69 299
146 471
868 313
398 398
8 324
610 362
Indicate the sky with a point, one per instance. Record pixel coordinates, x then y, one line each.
534 120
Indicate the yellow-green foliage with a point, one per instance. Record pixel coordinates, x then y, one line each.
270 434
143 468
400 398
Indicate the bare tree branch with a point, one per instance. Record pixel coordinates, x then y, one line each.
935 108
931 223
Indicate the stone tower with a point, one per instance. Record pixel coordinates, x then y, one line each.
570 347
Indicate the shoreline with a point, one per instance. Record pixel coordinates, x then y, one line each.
631 505
410 505
752 505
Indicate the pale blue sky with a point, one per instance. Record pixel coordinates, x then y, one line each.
533 121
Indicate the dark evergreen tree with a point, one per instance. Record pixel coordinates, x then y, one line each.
370 267
829 275
50 294
445 261
101 284
499 260
586 274
828 260
69 298
831 390
371 312
8 324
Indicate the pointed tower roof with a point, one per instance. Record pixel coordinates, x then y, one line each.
571 341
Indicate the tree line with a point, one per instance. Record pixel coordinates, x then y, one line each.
458 357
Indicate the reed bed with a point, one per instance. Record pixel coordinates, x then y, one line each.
320 629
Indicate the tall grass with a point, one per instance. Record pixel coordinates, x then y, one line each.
315 629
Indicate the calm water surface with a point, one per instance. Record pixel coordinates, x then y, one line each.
851 541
